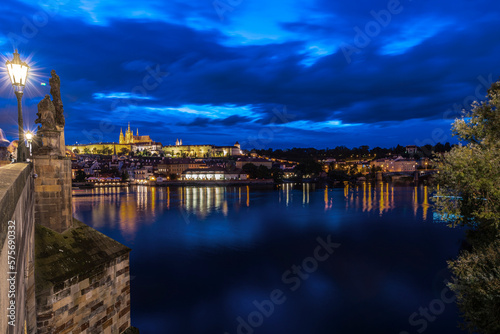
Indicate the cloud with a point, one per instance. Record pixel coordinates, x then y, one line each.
120 95
232 75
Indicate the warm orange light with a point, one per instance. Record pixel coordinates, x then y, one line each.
18 71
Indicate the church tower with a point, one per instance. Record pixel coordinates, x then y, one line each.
122 139
129 135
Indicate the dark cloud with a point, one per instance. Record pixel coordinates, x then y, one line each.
228 121
430 58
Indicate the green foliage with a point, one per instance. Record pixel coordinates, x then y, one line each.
277 174
263 172
469 195
469 176
308 167
477 286
469 182
80 176
107 150
256 172
250 169
345 153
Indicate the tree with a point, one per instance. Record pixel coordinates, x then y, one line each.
86 150
80 176
124 151
469 195
76 151
263 172
309 167
469 174
125 176
250 169
478 288
277 174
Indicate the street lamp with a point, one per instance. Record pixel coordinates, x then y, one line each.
29 139
18 74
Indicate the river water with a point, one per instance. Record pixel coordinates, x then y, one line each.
288 259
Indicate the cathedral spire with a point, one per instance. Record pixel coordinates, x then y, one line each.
122 138
128 126
137 132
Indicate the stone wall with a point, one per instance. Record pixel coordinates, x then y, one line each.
53 192
83 282
17 207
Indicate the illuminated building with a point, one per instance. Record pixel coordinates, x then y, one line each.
178 166
126 143
129 142
129 137
213 174
200 151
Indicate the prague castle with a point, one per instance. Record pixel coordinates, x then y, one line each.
200 151
129 137
129 143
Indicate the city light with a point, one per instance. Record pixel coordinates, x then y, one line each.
18 75
18 71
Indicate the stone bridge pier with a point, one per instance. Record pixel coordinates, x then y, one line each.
17 249
82 281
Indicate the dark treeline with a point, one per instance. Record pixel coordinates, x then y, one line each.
345 153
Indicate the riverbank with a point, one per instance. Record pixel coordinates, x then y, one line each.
179 183
217 183
395 179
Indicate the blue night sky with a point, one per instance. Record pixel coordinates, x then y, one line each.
309 73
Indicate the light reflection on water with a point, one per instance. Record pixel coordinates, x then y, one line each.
202 255
127 208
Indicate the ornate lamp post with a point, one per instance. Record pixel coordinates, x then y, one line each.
29 139
18 74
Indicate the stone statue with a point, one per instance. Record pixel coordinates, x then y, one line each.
48 135
46 114
55 91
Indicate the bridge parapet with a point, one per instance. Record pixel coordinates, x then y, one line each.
17 279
